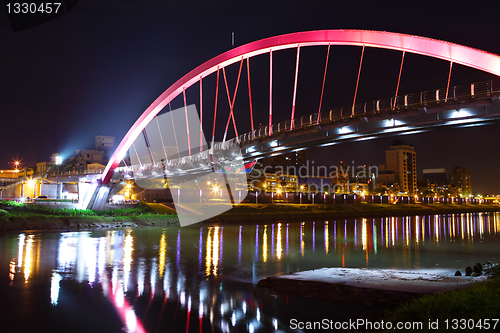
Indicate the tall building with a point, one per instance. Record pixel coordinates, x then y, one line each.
460 178
79 162
436 176
401 159
105 144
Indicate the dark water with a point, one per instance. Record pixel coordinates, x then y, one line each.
204 279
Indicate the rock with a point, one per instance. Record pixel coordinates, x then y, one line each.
479 266
468 271
457 273
477 270
489 263
263 283
474 274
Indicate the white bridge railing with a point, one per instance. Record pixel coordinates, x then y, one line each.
402 103
225 152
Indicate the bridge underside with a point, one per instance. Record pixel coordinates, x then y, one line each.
450 114
473 111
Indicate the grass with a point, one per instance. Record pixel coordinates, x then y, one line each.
18 216
248 209
14 208
161 209
478 302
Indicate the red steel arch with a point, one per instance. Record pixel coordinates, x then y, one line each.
455 53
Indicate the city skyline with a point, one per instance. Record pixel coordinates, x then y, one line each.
83 77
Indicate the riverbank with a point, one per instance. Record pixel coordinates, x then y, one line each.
249 213
32 217
43 222
15 216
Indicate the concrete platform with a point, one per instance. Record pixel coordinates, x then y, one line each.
393 280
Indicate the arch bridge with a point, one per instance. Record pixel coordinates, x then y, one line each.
170 144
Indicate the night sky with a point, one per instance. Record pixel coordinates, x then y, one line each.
94 70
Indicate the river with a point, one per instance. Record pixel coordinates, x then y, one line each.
203 279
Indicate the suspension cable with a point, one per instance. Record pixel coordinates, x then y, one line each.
324 78
215 110
295 85
357 81
249 92
399 78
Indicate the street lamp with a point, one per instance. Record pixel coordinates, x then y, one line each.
16 166
58 162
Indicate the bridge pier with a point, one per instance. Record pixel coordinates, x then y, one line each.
97 198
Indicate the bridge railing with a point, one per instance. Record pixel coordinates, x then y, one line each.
401 103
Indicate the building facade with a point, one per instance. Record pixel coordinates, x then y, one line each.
105 144
42 168
349 179
8 177
401 159
436 176
461 179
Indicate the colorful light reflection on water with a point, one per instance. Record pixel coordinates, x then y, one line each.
191 267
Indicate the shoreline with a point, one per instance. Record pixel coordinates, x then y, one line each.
48 222
243 213
297 213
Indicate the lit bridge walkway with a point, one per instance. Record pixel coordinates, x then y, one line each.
468 105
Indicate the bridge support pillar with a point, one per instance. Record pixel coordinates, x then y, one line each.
99 198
